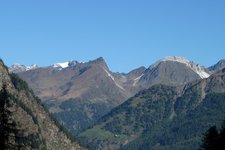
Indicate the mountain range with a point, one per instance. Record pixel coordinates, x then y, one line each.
79 94
28 124
162 117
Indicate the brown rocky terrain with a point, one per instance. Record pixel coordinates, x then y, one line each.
36 129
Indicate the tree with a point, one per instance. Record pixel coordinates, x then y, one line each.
222 137
211 139
7 126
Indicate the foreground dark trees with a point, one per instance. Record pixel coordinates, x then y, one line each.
214 140
7 126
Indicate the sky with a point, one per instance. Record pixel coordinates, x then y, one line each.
126 33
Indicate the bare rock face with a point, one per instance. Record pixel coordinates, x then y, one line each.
218 66
35 127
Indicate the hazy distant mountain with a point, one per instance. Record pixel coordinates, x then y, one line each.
218 66
32 127
162 117
16 68
80 93
64 65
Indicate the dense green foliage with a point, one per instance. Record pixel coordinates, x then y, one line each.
132 118
186 130
137 114
69 134
159 119
74 119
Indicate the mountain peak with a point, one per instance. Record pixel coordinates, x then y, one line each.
33 66
61 65
72 63
176 58
200 70
66 64
222 61
173 58
218 66
100 61
21 68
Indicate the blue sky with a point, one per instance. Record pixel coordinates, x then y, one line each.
127 33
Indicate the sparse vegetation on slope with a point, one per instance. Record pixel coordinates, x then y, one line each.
34 127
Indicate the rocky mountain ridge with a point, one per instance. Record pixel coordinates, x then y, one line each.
16 68
162 117
93 90
218 66
36 129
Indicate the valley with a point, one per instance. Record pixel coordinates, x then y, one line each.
91 101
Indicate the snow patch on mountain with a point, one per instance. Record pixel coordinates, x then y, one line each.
64 65
137 79
34 66
119 86
61 65
200 71
195 67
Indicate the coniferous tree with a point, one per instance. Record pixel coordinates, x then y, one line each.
211 139
222 137
214 140
7 126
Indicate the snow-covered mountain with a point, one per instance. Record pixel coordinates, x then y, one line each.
16 68
61 65
64 65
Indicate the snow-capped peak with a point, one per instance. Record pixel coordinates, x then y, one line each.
64 64
172 58
176 58
34 66
20 68
61 65
195 67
